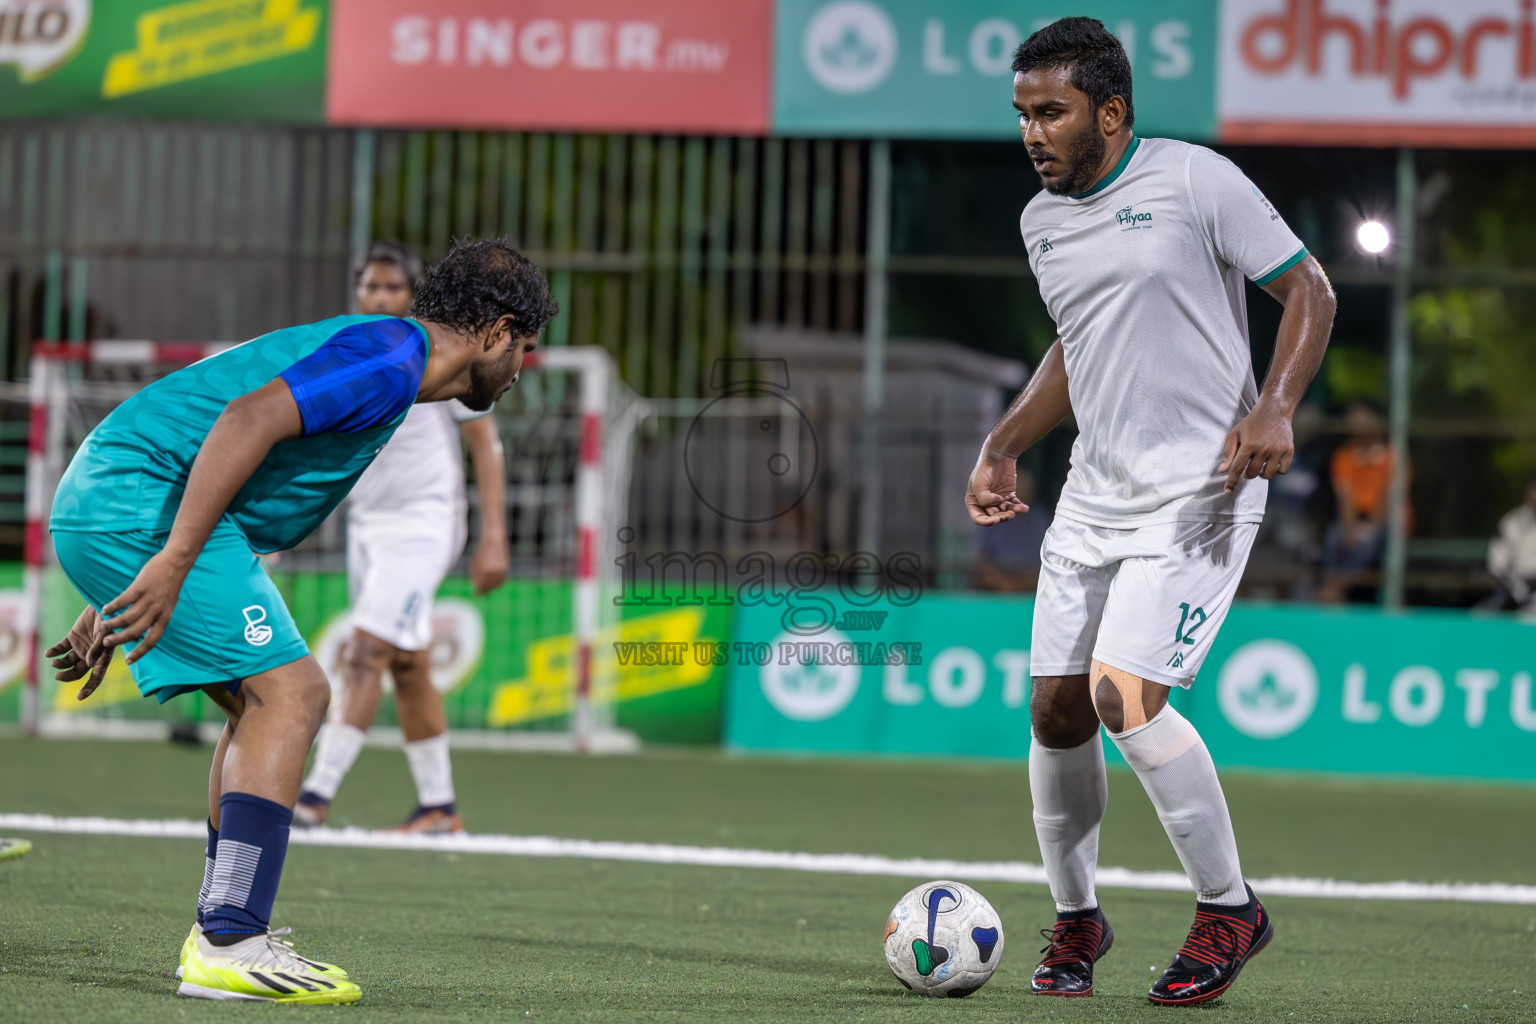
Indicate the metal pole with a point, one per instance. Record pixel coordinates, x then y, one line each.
876 260
362 199
1396 561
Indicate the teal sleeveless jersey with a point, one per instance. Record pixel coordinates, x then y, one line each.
353 377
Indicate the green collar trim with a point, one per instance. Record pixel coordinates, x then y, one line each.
1109 179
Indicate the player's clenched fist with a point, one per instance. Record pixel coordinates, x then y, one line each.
142 611
1260 445
990 498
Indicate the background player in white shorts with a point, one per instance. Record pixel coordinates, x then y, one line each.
405 529
1140 247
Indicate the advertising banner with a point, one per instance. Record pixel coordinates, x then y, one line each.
560 65
1378 72
1288 687
231 60
502 661
942 68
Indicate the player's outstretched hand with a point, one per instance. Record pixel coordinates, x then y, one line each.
489 568
990 498
144 610
1261 445
83 651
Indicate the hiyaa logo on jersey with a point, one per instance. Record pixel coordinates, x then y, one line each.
257 633
850 46
40 36
1130 220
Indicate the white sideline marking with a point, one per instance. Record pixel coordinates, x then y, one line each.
818 863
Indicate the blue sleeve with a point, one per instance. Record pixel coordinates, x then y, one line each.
364 375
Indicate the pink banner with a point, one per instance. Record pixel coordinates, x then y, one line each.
692 66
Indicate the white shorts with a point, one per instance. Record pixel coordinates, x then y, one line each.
1147 600
394 567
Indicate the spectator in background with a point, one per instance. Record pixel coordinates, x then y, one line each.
1360 471
1010 552
1512 556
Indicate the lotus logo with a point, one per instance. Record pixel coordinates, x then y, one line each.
849 46
809 691
1267 689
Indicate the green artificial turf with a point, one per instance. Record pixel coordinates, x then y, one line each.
90 926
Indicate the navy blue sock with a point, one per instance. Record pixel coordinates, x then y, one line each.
209 853
253 841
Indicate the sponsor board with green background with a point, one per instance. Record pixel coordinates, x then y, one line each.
942 68
503 660
238 60
1287 687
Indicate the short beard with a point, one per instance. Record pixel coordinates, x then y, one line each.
1084 157
486 384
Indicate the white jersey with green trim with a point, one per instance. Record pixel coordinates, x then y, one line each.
1143 274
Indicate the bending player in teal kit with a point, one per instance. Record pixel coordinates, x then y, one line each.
159 521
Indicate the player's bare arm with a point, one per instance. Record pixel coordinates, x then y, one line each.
241 438
1039 407
490 567
1261 445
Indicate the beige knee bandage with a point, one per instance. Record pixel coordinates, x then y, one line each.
1116 690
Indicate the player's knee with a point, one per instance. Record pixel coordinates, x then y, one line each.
1123 699
312 692
367 657
1060 711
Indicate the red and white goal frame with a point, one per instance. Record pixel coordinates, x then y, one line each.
600 480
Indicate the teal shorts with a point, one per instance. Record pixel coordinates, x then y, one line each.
229 622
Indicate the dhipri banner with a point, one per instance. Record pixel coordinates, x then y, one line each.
206 59
1292 687
943 68
1385 72
567 65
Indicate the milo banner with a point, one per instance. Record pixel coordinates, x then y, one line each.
231 60
502 661
1425 693
943 68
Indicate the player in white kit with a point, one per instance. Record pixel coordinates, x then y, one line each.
406 526
1140 247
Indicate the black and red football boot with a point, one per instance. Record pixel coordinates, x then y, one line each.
1077 942
1220 944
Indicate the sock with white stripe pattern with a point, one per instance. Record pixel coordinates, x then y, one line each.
253 842
209 852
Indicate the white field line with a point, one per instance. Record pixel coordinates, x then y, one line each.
818 863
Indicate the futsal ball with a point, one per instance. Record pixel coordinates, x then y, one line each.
943 939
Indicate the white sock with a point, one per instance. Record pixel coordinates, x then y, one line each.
1069 789
431 770
1176 770
335 755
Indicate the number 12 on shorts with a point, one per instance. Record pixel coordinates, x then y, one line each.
1190 619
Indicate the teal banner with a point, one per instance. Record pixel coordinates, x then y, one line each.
1289 687
941 68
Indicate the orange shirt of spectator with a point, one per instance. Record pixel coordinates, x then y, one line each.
1361 472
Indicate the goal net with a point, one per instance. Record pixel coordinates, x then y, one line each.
522 666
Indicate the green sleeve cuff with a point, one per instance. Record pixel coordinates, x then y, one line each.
1299 255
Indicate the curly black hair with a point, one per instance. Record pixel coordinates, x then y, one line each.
1097 61
478 282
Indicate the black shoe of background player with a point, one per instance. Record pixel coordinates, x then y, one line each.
1079 939
311 810
1221 942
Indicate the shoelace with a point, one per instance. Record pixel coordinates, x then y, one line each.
1071 942
1214 941
275 954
